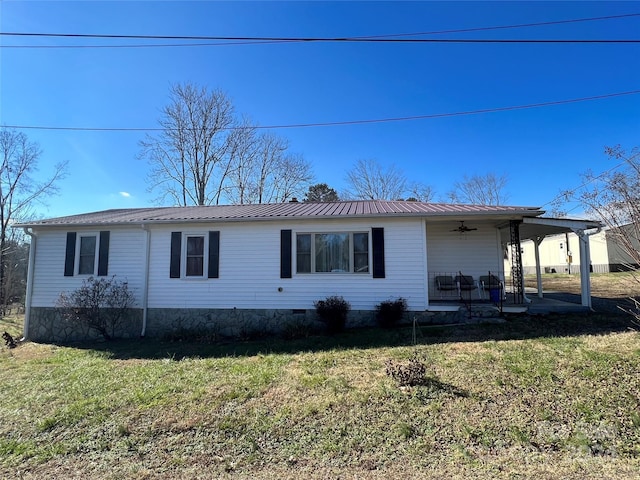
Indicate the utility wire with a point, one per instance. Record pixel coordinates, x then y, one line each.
348 122
261 40
335 39
370 38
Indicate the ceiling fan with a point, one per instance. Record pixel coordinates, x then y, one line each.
463 228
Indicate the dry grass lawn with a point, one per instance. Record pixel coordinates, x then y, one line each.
603 285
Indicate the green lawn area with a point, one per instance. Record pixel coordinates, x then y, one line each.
552 397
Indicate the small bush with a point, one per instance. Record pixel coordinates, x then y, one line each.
410 375
390 312
99 303
333 312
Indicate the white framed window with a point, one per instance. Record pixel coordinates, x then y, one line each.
195 249
332 252
194 255
87 250
87 253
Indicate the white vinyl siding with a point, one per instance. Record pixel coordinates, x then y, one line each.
250 268
473 253
249 263
126 262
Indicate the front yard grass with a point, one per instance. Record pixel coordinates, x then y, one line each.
553 397
603 285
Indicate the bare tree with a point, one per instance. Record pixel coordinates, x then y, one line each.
291 177
368 180
486 189
19 191
204 154
263 170
613 197
321 192
189 158
419 192
272 149
244 147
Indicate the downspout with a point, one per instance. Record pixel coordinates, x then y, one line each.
145 281
29 293
425 248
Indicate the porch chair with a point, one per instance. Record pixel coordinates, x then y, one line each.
445 283
465 283
490 282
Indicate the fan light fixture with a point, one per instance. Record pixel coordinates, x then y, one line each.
463 228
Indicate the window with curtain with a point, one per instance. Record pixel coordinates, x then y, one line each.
343 252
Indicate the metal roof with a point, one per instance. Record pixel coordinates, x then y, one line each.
291 210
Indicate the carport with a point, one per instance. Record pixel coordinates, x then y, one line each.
537 229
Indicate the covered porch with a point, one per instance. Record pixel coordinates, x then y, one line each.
536 305
504 290
536 230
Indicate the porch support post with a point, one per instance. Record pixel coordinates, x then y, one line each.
585 262
536 244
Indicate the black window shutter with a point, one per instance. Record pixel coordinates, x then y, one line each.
176 246
285 253
214 254
103 254
377 241
70 254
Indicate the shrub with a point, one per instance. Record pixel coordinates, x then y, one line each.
333 312
390 312
410 375
100 304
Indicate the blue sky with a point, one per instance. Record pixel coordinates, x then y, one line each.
541 150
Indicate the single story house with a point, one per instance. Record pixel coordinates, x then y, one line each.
238 268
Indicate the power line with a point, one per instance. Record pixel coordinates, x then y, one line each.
369 38
350 122
334 39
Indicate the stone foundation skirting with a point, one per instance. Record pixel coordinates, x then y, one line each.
46 325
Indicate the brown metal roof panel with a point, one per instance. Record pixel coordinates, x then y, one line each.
289 210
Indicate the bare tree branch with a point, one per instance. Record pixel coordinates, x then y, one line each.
191 152
613 197
486 189
19 191
204 155
369 181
